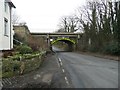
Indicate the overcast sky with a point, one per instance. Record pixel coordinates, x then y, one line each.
44 15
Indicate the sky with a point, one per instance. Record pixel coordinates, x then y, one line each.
45 15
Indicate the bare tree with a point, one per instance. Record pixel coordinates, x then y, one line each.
69 24
15 18
73 23
64 24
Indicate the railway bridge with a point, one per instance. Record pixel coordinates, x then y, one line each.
71 39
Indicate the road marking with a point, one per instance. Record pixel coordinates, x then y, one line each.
58 64
8 80
3 83
60 60
63 70
66 80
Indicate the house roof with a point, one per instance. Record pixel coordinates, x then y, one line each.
10 3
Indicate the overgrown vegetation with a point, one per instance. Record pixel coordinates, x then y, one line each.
22 59
21 63
100 23
24 49
37 43
24 37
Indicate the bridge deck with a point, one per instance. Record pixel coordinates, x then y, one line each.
33 33
57 34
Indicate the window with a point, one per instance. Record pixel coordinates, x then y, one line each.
5 27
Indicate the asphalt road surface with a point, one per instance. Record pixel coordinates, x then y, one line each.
86 71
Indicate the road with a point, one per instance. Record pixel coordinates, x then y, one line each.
86 71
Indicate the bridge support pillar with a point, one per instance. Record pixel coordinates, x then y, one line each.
48 41
77 44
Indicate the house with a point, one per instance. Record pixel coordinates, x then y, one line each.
6 29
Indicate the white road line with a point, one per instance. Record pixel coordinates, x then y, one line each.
66 80
58 64
3 82
63 70
8 80
60 60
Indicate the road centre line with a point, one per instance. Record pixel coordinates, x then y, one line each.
66 80
60 60
57 59
60 63
63 70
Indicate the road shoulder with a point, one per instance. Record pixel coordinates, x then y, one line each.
116 58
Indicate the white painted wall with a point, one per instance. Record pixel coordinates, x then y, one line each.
1 24
5 43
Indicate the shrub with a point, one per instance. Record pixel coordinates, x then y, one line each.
9 68
112 48
13 66
24 49
93 48
29 56
33 43
15 57
36 43
7 74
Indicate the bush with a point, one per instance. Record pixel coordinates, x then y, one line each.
10 68
93 48
15 57
33 43
36 43
8 74
112 48
24 49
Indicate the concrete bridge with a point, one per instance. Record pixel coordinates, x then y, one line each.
70 38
